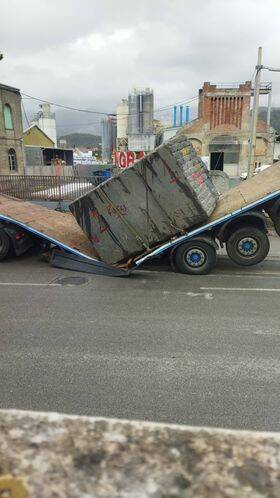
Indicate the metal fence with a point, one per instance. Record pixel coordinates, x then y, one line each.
47 188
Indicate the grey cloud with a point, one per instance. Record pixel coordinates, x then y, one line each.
90 53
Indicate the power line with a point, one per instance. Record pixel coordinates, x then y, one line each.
26 118
65 106
100 113
97 121
253 74
177 103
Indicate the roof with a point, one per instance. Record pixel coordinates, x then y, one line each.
9 88
34 125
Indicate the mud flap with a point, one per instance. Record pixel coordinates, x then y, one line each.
68 261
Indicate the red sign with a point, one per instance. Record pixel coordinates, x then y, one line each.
124 159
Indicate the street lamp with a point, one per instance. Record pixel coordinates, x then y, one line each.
253 133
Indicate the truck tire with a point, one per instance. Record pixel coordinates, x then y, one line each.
4 245
195 258
248 246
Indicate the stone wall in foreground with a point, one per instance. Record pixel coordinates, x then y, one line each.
52 456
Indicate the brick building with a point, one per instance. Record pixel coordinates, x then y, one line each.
11 132
222 129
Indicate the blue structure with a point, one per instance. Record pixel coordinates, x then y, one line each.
181 116
187 116
175 116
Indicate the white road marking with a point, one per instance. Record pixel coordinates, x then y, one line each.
29 284
263 332
221 274
206 295
242 275
239 289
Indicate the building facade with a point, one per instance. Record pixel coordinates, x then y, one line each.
140 126
221 132
11 132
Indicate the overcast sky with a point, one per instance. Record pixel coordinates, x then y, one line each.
89 53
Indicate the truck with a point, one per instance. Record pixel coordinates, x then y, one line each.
238 222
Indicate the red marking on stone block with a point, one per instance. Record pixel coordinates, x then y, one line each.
198 178
94 239
120 209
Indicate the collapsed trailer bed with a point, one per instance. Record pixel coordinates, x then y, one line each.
61 229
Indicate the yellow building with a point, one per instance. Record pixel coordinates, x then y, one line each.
34 136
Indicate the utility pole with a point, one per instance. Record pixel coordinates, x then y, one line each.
269 108
252 144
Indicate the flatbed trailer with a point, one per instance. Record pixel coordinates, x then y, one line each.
238 222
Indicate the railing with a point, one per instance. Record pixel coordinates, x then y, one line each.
48 188
265 86
232 84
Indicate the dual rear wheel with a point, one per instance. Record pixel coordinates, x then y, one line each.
195 257
246 246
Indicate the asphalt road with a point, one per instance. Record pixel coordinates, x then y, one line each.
156 346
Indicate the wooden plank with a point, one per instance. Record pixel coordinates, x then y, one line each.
60 227
248 191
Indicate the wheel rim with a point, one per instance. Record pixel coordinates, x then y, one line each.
248 246
195 257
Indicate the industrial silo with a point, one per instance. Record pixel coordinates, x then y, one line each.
122 123
108 137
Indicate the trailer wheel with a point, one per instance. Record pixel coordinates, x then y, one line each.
4 244
195 258
248 246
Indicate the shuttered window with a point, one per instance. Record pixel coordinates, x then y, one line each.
8 118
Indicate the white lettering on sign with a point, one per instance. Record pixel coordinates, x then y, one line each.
124 159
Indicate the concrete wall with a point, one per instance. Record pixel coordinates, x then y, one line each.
48 125
11 138
138 143
47 455
49 170
169 133
276 154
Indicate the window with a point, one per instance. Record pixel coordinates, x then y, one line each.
8 119
12 160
